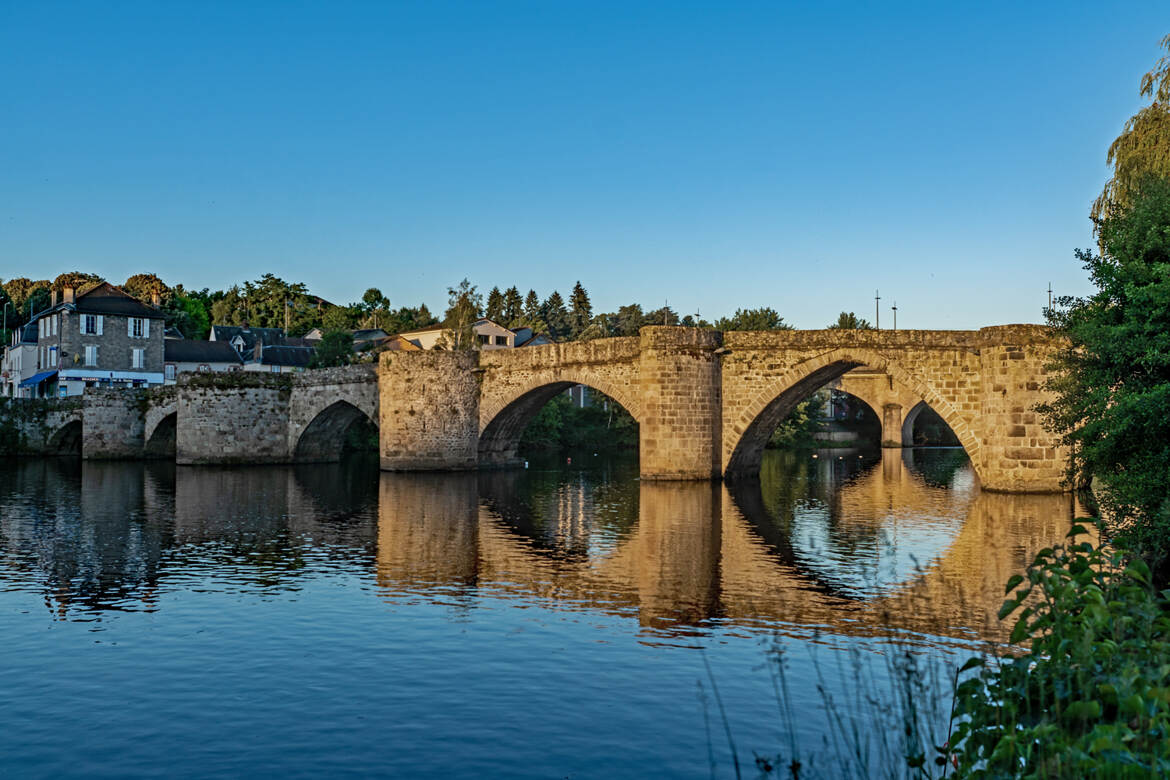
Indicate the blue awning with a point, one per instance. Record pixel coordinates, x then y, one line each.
37 379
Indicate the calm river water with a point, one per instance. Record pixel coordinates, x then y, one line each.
554 622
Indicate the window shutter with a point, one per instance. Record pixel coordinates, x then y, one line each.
130 327
99 324
146 329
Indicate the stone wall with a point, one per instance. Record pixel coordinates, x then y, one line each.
679 377
428 410
233 418
30 426
112 424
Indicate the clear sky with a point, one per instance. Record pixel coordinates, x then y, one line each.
714 155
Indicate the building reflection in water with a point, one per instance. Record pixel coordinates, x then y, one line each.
847 544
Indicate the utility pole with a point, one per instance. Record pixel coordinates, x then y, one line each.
286 316
895 308
1050 296
877 312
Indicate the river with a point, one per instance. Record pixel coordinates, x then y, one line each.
565 620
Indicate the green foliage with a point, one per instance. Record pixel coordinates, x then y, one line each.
375 305
1143 148
189 315
1091 697
764 318
408 318
80 281
556 317
143 287
495 306
580 310
798 429
513 307
1111 382
464 304
335 349
602 425
847 320
341 318
269 302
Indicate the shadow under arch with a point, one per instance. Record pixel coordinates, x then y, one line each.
324 438
162 441
499 437
744 442
66 440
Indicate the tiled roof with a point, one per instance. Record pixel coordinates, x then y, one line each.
108 299
287 356
192 351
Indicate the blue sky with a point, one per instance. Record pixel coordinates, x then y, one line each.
713 155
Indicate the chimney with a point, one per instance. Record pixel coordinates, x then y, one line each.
155 299
68 294
258 351
53 297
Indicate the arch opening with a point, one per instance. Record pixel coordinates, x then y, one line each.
749 436
161 443
557 417
66 440
924 427
338 428
749 450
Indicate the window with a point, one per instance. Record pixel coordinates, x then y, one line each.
52 357
501 341
91 355
276 369
137 357
169 371
89 324
55 319
136 328
204 368
485 339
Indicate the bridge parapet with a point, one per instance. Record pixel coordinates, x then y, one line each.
571 353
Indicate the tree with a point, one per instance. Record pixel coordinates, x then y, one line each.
1111 380
338 318
847 320
532 306
189 315
1143 148
513 307
463 309
556 316
753 319
335 349
374 303
495 306
580 310
79 280
143 287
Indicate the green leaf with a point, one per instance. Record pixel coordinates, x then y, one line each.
1012 582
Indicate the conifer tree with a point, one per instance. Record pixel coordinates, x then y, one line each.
556 316
532 306
513 306
581 313
495 306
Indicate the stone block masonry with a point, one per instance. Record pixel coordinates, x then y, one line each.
429 411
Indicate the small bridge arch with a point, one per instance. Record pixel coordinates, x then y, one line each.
323 439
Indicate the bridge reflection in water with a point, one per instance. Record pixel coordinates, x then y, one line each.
902 541
845 544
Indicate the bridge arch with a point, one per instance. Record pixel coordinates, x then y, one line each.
749 430
323 439
161 438
66 440
504 416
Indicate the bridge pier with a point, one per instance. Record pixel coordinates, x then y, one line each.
892 419
428 411
679 434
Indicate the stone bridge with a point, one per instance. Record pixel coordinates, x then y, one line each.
706 402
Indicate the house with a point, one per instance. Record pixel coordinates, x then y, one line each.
527 337
102 338
279 358
20 364
244 338
488 335
188 355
